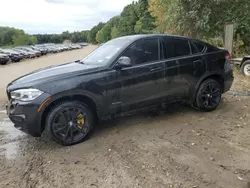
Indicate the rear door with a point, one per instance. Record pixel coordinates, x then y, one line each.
182 53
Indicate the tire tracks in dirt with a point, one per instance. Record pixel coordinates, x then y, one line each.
34 172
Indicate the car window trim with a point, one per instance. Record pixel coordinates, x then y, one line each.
144 64
203 50
192 43
112 65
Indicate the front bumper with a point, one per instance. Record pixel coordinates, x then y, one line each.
25 115
15 58
4 60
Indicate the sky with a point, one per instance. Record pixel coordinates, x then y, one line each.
56 16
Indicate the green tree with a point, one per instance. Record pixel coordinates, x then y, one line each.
128 19
138 26
100 36
145 24
66 35
93 32
32 40
114 32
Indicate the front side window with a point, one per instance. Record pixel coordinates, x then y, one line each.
176 47
143 51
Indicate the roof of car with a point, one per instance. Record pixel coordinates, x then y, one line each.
136 37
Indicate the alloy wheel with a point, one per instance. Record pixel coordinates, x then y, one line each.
70 125
211 96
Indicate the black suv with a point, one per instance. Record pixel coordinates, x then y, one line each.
122 75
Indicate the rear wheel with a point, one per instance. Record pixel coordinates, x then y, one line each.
245 68
69 123
208 96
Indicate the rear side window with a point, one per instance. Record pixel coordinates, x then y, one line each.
143 51
211 48
201 47
176 47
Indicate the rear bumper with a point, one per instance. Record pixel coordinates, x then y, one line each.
228 77
228 83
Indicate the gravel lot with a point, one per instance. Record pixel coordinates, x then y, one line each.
177 147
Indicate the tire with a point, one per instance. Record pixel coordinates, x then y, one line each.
245 68
57 127
208 96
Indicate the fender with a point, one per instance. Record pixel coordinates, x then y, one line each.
68 94
244 59
193 91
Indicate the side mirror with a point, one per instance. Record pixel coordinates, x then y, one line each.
123 62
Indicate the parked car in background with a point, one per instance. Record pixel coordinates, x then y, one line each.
4 59
25 53
14 56
42 50
123 75
29 49
82 44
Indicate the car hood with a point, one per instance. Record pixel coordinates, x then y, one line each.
51 73
3 55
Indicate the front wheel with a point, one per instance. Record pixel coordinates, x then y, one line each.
69 123
245 68
208 96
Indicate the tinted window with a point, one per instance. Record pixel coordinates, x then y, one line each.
212 48
199 46
176 47
143 51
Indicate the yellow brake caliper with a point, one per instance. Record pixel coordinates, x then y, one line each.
80 121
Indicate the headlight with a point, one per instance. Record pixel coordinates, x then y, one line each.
25 94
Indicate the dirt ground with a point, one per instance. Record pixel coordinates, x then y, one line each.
178 147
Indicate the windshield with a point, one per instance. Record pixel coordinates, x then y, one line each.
18 50
105 52
25 49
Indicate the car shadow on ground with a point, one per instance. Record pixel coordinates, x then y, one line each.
104 127
148 116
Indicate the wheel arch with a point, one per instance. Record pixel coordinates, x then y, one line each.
216 76
89 101
246 58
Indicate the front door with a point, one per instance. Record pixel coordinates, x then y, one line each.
142 84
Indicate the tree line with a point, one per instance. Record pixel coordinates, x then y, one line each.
14 37
200 19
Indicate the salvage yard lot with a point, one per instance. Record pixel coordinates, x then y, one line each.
177 147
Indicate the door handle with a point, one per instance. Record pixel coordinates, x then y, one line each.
198 61
155 69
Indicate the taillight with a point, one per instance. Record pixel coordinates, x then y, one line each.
228 56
